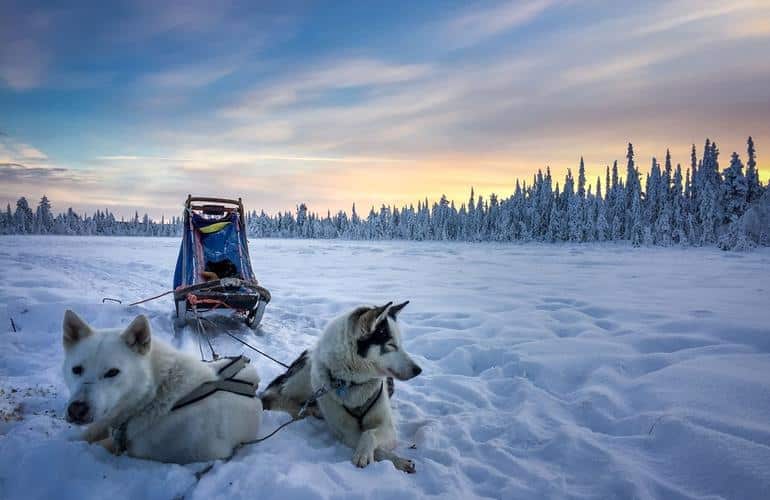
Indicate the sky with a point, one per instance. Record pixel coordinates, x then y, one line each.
132 105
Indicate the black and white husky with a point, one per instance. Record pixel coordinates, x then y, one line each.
351 366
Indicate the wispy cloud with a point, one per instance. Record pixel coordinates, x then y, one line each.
676 16
312 83
12 151
17 172
194 75
476 25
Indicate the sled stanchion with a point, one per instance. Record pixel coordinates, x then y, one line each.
13 325
110 299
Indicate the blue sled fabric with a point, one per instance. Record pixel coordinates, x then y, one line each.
198 248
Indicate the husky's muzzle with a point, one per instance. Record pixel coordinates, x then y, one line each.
412 371
79 412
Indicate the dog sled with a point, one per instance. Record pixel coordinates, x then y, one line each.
213 270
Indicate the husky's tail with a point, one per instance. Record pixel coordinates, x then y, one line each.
288 391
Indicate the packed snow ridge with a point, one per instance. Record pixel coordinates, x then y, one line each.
550 371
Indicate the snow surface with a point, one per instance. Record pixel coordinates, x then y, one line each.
549 371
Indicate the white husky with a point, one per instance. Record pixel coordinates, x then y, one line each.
142 397
351 364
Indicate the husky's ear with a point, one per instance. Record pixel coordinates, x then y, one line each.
379 313
394 310
74 329
137 335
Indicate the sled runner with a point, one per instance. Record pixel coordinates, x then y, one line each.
213 270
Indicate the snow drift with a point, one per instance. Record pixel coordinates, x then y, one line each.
550 371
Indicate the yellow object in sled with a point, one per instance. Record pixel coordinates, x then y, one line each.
213 228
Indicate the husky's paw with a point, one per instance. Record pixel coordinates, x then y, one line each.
364 454
109 445
363 458
404 464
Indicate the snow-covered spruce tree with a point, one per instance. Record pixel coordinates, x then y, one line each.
516 213
554 232
581 189
678 211
692 199
602 226
535 214
752 174
709 194
585 217
23 218
616 205
734 190
589 217
637 236
664 222
651 203
607 200
7 226
43 217
633 227
546 200
570 206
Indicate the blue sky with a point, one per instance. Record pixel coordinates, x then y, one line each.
131 105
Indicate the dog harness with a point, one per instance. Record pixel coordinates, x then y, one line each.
226 382
341 387
360 412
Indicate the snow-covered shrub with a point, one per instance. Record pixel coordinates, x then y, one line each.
751 229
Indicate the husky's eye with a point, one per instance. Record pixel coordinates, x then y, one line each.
392 347
77 370
111 373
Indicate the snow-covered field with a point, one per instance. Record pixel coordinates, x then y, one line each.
549 371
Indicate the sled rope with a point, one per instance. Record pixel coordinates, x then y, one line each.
255 441
320 392
202 333
105 299
251 346
257 350
312 399
142 301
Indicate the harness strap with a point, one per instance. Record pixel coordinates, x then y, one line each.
340 385
360 412
226 382
231 369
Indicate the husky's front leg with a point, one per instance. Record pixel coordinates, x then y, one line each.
109 445
96 432
364 454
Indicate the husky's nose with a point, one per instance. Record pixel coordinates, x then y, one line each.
416 370
77 411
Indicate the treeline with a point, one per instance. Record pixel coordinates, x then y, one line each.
701 204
